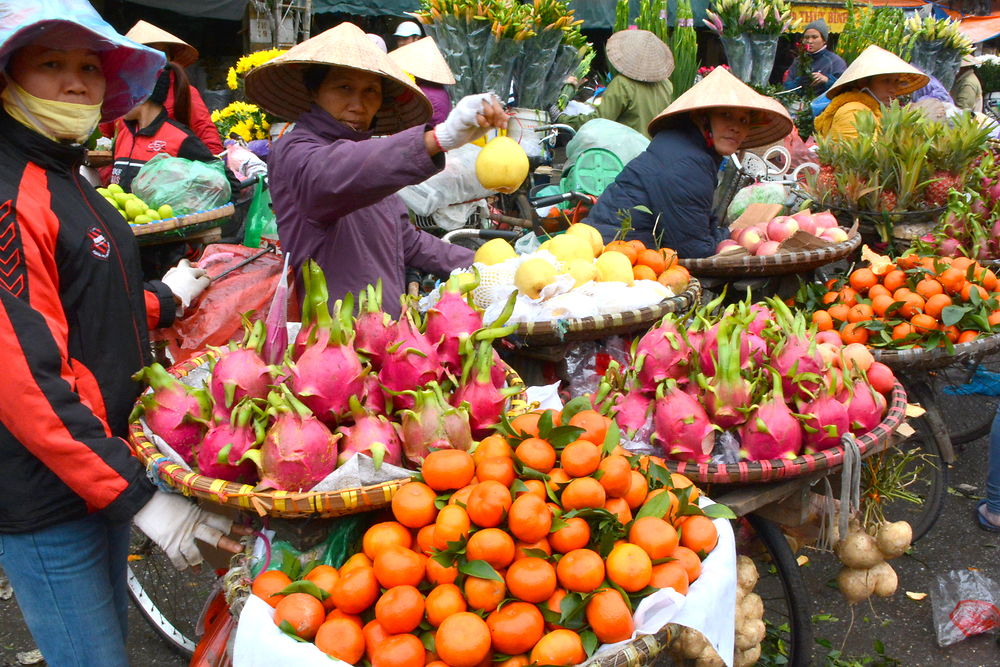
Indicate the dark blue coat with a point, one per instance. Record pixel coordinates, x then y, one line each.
825 62
675 178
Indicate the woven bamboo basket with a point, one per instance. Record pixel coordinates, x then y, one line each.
181 227
919 358
284 504
783 263
772 470
531 334
640 651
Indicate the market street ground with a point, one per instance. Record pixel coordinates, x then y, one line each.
903 625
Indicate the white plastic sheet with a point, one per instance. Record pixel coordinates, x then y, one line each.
452 194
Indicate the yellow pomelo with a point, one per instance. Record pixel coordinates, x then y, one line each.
502 165
567 247
592 235
166 211
614 266
582 270
120 197
495 251
533 275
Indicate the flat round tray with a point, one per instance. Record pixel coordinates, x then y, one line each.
919 358
592 328
772 265
285 504
99 158
182 226
773 470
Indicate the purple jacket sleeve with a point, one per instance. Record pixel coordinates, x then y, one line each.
430 254
333 180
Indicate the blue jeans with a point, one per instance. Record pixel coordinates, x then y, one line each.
69 580
993 470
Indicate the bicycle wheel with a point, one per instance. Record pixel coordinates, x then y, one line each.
968 417
907 482
787 605
171 601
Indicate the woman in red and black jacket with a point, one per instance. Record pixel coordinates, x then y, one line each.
148 130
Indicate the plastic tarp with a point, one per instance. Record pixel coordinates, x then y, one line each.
365 7
620 139
231 10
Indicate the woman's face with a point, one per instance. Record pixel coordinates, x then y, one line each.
812 40
350 96
729 129
884 87
73 76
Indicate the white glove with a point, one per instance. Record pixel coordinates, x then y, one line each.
461 126
186 281
173 522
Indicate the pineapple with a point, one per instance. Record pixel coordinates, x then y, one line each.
952 152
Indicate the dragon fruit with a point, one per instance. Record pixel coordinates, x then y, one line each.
371 434
661 354
329 372
682 428
865 408
631 411
221 452
753 350
709 349
298 450
175 412
433 423
452 320
477 394
240 371
796 359
727 395
825 421
411 361
374 329
771 431
373 398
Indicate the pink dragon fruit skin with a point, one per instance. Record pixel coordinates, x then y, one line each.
221 451
753 350
865 408
709 349
374 330
326 376
631 411
762 315
771 431
411 361
799 364
298 450
240 371
449 322
826 421
661 354
433 423
498 374
477 394
727 395
173 411
371 434
682 428
373 397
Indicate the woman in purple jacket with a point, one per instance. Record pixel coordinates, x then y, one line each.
333 185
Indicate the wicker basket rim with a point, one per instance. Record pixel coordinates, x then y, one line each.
181 221
788 260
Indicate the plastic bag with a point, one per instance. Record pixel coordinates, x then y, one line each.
964 603
758 193
214 318
455 184
188 186
260 220
587 362
243 162
620 139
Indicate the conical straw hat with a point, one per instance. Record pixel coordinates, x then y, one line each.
423 60
640 55
277 85
720 89
180 51
874 61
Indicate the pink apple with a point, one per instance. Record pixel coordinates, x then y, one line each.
782 228
750 239
824 219
767 248
727 246
829 338
834 235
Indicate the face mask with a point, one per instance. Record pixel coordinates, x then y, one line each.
58 121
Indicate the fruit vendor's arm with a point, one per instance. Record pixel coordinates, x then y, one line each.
50 403
614 100
430 254
161 305
333 180
965 94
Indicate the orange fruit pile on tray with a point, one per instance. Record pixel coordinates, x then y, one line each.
658 264
532 549
913 301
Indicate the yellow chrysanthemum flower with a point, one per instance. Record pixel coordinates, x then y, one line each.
232 80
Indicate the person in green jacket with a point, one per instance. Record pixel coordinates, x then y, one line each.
642 87
968 91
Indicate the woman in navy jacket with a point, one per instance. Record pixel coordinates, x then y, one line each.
668 190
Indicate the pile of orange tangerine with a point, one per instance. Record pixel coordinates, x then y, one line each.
658 264
533 549
912 302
